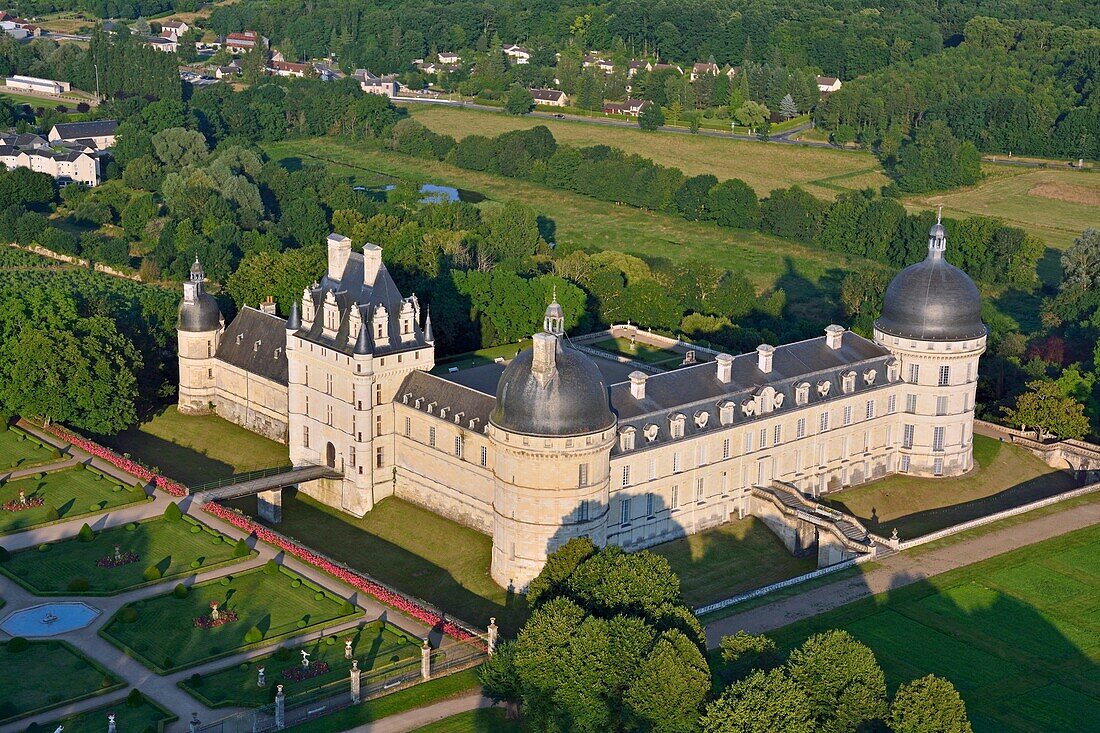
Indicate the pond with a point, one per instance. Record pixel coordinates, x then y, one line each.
435 194
49 619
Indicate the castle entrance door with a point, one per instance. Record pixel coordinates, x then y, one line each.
330 456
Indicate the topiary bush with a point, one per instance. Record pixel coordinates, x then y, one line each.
18 644
135 699
271 567
346 608
85 534
52 514
253 636
4 554
128 615
131 526
44 547
195 680
172 512
78 585
151 573
181 591
240 549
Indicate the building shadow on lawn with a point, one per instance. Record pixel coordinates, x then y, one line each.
178 462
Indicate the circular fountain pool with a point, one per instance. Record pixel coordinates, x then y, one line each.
49 619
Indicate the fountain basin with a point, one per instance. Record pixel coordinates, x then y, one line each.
49 619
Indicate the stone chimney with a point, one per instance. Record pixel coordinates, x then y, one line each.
268 306
725 368
834 334
339 252
544 354
372 263
637 385
764 354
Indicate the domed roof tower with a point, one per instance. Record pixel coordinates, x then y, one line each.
932 300
198 334
552 389
198 310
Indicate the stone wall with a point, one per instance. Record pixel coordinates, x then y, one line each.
443 500
250 419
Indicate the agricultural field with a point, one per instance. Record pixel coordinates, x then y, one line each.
762 166
39 675
1018 635
67 494
1006 476
173 547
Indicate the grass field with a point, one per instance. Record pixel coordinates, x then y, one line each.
810 277
73 492
1018 635
730 559
174 548
640 352
378 648
47 674
479 357
198 448
1006 476
486 720
144 717
160 632
19 450
413 550
1056 205
764 167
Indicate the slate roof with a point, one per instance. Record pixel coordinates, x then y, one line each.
238 346
449 398
95 128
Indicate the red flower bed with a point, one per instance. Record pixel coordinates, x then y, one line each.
352 578
110 561
128 465
18 506
299 673
224 617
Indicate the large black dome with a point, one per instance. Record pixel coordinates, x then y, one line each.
201 315
574 400
932 300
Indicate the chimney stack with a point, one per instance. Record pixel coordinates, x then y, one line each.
339 251
268 306
834 334
543 356
725 368
764 353
637 385
372 263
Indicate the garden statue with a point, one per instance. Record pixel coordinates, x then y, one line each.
22 496
260 681
213 610
305 659
111 723
59 729
118 553
894 536
347 648
355 665
193 726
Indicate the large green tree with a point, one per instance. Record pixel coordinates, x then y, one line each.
928 705
1049 411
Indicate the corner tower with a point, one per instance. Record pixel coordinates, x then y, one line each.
552 432
931 320
198 332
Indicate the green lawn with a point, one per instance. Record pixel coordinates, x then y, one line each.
47 674
412 549
175 548
1018 634
640 352
377 646
486 720
417 696
139 719
18 450
480 357
195 449
160 632
1006 476
73 492
730 559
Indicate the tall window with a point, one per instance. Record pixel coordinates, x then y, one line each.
702 454
676 462
870 412
800 428
626 475
748 441
379 457
408 425
305 436
649 505
431 436
891 404
484 456
725 448
582 511
328 383
763 437
824 424
624 510
905 464
937 438
847 414
307 406
458 446
699 490
777 435
941 405
907 437
328 414
675 501
914 373
937 467
945 375
910 403
582 475
652 468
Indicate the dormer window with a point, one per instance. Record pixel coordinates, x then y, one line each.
824 387
802 394
869 376
725 412
748 407
893 371
650 431
676 426
848 384
702 418
626 438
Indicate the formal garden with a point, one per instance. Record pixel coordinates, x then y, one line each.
39 675
20 450
123 558
224 616
377 647
138 713
1018 634
61 495
645 353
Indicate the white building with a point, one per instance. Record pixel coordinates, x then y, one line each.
96 134
517 54
35 84
69 162
550 97
173 29
826 84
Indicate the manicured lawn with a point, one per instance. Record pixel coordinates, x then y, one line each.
19 450
411 549
1007 476
417 696
764 167
1018 634
377 646
640 352
194 449
138 719
47 674
73 492
175 548
480 357
486 720
730 559
809 276
160 632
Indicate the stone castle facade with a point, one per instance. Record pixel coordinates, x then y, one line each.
558 444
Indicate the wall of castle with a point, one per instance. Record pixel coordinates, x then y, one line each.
255 403
198 370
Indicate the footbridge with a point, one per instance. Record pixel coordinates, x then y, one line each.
267 485
806 526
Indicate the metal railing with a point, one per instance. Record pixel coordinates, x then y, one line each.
241 478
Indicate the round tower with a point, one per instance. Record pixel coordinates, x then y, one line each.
199 333
931 319
552 430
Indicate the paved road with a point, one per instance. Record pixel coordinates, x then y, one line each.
414 719
901 570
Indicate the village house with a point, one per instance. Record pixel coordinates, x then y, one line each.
243 42
517 54
385 85
631 107
448 58
173 29
233 69
162 44
550 97
595 61
18 28
701 69
67 162
827 84
35 84
287 68
96 134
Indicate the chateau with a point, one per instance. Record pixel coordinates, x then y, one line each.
558 443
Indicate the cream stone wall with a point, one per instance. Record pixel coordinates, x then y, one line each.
252 402
198 370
